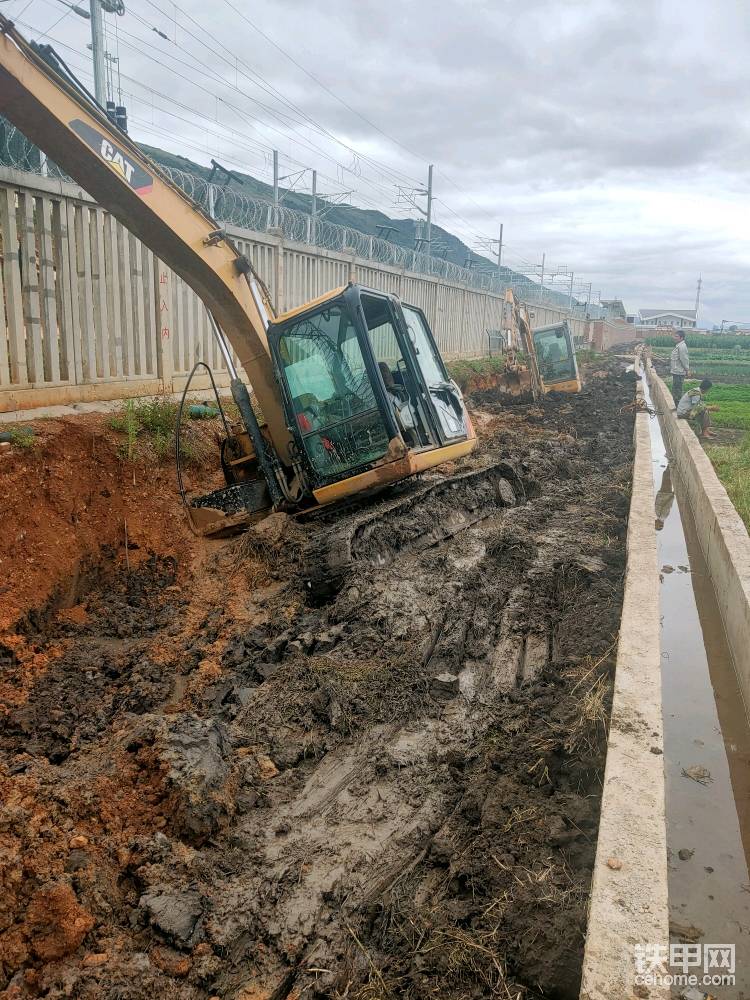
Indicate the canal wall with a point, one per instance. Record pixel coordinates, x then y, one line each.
628 903
721 531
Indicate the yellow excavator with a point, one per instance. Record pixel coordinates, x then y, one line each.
353 392
546 361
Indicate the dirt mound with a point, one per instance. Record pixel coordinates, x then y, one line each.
214 788
69 497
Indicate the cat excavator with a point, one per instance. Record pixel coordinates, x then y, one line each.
353 392
546 361
352 399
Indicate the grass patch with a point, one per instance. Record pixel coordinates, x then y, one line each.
22 438
723 342
732 465
464 371
148 426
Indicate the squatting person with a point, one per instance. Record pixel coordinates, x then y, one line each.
679 364
693 408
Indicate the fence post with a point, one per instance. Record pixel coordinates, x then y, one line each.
278 271
99 283
112 271
30 286
352 254
12 280
164 332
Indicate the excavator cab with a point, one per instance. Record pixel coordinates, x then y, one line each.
365 390
556 358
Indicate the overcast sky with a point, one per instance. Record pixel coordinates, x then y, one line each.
612 136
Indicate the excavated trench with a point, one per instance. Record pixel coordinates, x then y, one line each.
214 788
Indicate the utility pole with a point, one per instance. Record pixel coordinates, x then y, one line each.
428 234
97 50
314 212
544 258
275 187
698 297
500 248
570 294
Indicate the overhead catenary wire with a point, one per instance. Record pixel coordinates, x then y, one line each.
325 87
303 119
249 119
260 81
52 27
396 142
382 189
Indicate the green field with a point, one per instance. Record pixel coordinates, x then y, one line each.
722 358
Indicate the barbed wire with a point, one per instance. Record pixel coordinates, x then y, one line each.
236 208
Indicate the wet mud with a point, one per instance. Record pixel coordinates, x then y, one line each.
214 787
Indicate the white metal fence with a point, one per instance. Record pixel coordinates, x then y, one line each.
85 303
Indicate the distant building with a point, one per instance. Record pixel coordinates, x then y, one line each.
678 318
614 308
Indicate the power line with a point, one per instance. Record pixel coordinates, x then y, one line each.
268 88
381 189
53 26
245 19
325 87
242 114
249 119
246 142
303 118
242 141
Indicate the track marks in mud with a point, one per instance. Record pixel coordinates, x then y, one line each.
400 795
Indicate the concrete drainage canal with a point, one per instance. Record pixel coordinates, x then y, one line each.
706 748
211 788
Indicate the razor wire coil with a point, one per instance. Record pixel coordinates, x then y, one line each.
236 208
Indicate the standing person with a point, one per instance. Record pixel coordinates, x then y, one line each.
679 366
693 408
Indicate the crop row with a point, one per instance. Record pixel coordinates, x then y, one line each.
722 341
735 356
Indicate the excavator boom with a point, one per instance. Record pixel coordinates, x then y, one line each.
76 133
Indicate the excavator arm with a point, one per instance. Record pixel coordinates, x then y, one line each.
76 133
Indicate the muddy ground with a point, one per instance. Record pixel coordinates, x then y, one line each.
212 788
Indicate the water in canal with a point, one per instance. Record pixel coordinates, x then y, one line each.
705 730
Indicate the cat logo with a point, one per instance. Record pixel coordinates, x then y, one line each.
118 161
133 175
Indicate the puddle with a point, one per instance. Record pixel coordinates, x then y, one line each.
705 727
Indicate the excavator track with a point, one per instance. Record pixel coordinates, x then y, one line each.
425 512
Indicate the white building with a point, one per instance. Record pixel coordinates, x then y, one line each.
681 319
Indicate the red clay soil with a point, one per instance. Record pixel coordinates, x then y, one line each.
66 498
210 788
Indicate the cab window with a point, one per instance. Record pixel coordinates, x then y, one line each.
554 355
334 404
